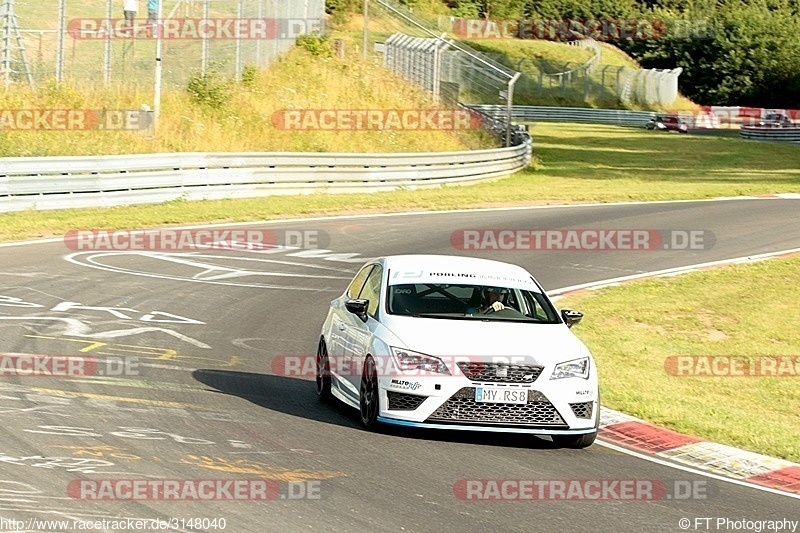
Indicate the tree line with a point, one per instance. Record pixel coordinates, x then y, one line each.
733 52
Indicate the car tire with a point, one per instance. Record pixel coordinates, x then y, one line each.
323 372
575 441
368 395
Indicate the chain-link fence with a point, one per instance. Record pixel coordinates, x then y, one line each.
547 81
102 41
453 72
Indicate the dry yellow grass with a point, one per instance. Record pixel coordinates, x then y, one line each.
244 123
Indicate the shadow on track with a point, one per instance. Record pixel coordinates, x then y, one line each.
298 397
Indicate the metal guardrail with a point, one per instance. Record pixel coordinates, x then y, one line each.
618 117
104 181
761 133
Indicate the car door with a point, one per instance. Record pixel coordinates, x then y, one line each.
341 318
359 333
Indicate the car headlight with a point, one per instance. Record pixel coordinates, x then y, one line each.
577 368
410 361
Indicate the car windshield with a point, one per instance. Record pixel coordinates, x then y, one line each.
470 302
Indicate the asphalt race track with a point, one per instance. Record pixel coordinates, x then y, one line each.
188 386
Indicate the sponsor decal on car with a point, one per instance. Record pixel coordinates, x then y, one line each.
402 384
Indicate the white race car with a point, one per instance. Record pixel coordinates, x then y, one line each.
462 343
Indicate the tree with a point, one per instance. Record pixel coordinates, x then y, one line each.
750 57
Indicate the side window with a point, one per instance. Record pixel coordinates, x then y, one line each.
354 288
372 290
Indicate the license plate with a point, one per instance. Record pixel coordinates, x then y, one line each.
500 395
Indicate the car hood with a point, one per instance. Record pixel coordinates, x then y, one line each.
540 344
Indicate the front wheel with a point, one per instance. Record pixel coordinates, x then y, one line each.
368 395
323 372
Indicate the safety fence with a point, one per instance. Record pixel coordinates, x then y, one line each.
90 42
616 117
589 80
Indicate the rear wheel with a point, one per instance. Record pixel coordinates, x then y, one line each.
368 394
323 372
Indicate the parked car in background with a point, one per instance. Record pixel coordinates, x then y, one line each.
668 123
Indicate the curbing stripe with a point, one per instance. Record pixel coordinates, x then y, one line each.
726 460
706 456
787 479
646 437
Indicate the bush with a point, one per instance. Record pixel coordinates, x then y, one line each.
210 89
352 6
249 75
318 45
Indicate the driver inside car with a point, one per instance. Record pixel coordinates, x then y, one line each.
494 300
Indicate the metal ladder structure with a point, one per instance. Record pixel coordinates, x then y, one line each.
10 42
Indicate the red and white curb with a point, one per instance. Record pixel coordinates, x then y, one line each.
719 459
693 452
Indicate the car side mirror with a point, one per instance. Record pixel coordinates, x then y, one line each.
571 317
358 307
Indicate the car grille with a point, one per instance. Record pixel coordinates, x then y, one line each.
582 410
500 372
462 407
404 402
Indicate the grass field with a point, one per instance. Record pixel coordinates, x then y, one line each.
632 329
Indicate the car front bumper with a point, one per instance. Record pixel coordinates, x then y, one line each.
556 407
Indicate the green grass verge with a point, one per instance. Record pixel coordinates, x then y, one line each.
650 165
574 163
738 310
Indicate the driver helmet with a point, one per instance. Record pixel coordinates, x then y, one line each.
497 290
